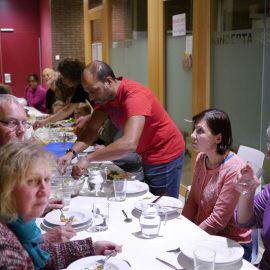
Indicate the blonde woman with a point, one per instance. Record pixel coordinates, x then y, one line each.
25 175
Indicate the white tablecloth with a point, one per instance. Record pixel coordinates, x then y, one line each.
141 253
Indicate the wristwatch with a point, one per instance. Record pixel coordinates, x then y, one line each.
75 154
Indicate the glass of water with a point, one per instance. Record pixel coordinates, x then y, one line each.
101 216
120 189
204 258
65 194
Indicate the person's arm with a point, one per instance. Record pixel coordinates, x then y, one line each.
88 134
119 148
250 210
224 207
60 115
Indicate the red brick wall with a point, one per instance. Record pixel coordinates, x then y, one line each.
67 29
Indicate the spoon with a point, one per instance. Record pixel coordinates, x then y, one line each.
127 219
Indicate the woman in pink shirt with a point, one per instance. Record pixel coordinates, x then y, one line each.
213 198
35 94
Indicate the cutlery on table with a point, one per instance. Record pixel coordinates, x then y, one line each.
158 198
62 216
103 261
169 265
127 219
176 250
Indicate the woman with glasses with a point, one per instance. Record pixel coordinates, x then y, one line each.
25 185
212 198
35 94
254 211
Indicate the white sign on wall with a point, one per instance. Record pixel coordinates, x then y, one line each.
179 25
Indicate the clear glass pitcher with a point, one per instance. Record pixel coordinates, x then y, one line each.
150 220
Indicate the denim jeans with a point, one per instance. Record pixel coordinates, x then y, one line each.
164 178
247 251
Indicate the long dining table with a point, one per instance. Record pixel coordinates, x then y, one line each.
141 253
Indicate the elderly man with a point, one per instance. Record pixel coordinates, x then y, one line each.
13 124
145 125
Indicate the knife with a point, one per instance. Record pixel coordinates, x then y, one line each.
158 198
168 264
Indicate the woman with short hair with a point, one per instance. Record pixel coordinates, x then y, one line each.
25 185
212 198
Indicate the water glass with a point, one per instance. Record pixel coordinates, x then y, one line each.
65 194
150 220
120 189
100 216
204 258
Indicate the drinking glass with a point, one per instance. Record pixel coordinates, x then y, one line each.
204 258
120 189
101 216
150 220
65 194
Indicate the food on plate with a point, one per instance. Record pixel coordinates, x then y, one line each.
66 219
112 175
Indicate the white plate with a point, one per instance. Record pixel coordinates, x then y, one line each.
134 187
227 250
169 204
80 218
90 263
47 227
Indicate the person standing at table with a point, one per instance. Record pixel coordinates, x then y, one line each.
146 128
35 94
13 125
212 199
71 71
254 211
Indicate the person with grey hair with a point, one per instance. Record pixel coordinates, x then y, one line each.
13 124
25 186
254 211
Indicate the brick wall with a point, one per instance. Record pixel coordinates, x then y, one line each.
67 29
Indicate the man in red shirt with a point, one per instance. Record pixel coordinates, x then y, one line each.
145 125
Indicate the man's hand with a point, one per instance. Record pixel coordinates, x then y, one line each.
39 124
59 234
79 168
54 203
63 162
106 247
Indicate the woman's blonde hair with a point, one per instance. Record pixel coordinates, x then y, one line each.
15 162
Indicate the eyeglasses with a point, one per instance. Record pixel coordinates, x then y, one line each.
13 124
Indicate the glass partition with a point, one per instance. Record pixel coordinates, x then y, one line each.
240 58
128 50
179 76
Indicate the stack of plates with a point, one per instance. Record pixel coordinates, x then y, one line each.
81 220
227 250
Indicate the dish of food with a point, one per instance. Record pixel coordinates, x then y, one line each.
112 175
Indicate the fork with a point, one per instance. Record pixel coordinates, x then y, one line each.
103 261
176 250
62 216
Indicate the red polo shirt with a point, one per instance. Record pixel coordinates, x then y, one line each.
160 141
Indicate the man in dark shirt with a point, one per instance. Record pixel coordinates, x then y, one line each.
71 71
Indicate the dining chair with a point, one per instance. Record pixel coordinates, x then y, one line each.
256 157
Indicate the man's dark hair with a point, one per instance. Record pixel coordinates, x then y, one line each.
101 70
35 76
4 89
219 123
71 69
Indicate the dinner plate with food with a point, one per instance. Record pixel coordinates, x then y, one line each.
77 218
91 263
